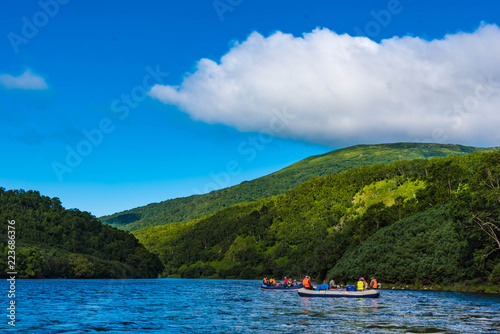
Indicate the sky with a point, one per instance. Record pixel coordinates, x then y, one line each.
110 105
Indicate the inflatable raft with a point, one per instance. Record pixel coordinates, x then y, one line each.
281 288
339 293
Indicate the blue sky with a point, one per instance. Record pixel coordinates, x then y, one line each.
238 89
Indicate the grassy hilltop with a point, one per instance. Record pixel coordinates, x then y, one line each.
197 206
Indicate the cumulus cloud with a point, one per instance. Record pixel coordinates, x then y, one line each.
27 80
339 90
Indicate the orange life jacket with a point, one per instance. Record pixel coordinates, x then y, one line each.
374 284
306 283
272 281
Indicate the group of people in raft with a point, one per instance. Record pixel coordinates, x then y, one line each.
272 282
306 283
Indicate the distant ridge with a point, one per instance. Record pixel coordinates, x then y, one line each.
197 206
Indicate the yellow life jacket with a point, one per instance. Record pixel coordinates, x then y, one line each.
361 285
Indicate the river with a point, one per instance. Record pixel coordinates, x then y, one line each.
237 306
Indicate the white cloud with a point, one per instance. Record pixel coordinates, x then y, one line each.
27 80
346 90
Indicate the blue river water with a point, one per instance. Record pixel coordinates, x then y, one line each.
237 306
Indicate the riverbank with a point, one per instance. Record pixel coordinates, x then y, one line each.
466 286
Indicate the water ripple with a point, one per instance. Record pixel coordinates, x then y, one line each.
227 306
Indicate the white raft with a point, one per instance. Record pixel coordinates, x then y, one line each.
338 293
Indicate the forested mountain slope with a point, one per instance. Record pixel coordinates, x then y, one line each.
447 210
50 241
197 206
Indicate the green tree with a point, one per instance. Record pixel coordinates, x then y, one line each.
82 267
30 263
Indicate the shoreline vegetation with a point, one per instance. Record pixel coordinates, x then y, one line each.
466 286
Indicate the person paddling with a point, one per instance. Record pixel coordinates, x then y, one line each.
306 283
361 284
373 283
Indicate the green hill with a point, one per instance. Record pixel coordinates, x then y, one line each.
197 206
49 241
421 247
422 214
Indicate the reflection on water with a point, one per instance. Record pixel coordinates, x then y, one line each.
226 306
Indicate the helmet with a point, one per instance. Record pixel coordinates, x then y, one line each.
361 278
373 277
285 276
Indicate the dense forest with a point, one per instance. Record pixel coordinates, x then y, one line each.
197 206
51 241
420 221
